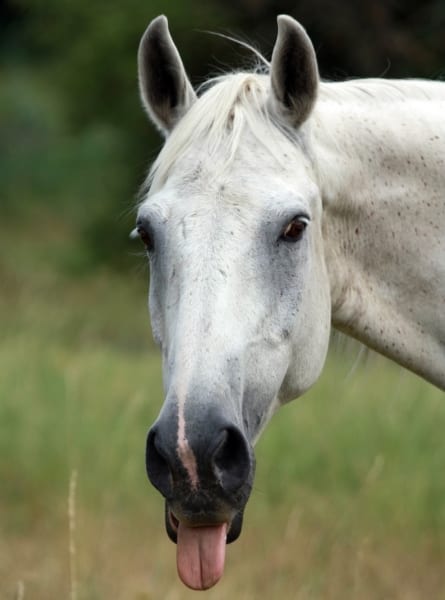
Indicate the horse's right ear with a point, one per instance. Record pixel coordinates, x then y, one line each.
165 90
293 73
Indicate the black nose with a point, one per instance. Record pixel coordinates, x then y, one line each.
222 453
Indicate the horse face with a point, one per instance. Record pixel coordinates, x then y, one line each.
239 295
239 304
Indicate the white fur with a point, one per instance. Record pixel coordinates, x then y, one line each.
367 167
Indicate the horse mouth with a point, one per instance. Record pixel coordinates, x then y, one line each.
234 525
200 554
203 513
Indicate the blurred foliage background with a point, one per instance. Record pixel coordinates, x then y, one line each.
73 139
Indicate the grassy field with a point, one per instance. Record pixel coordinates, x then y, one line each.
349 499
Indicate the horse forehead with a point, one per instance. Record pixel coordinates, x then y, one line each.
245 206
239 190
252 163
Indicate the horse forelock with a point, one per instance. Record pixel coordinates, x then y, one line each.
228 105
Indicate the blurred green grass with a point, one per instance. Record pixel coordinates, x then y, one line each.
349 498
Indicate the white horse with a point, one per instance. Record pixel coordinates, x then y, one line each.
279 205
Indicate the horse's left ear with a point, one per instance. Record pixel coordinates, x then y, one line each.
293 73
165 89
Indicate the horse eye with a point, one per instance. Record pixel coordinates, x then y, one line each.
145 237
294 230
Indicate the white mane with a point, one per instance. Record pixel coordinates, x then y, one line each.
233 102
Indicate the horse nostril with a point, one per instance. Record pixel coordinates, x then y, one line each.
158 470
232 460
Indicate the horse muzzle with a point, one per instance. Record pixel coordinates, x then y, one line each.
206 480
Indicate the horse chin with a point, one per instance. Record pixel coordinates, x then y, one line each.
233 527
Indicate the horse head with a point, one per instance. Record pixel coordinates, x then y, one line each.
239 294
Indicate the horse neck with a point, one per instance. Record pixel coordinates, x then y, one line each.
382 176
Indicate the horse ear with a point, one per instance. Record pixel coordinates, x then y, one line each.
165 90
293 72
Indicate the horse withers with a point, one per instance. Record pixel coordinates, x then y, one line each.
279 205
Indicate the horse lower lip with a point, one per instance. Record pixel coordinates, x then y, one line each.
174 522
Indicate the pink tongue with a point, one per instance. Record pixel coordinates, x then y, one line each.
200 555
